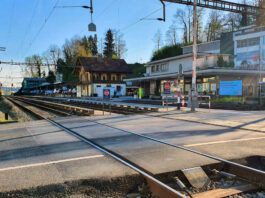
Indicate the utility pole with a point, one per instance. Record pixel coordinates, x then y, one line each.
194 59
260 67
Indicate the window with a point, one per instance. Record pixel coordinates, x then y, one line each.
153 69
157 68
248 42
163 67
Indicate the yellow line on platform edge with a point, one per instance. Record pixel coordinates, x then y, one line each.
50 163
224 141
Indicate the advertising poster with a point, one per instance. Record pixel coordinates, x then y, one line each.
106 94
231 88
167 88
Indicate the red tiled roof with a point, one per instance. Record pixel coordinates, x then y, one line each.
95 64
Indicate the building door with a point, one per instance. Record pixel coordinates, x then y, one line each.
158 88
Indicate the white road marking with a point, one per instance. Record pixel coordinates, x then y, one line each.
51 162
222 142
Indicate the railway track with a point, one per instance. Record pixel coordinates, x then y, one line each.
106 106
58 109
252 176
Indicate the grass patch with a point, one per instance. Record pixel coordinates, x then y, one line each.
229 100
4 107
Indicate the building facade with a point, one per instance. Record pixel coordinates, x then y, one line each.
237 73
96 74
249 45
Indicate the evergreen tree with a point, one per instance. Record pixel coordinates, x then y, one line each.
51 78
109 45
92 45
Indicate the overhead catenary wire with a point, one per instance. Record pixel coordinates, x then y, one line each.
11 22
42 26
101 13
140 20
30 24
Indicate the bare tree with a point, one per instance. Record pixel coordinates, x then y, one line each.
181 16
232 21
158 40
214 26
52 55
171 35
34 64
120 44
185 18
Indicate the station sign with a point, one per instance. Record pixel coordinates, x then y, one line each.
106 94
167 88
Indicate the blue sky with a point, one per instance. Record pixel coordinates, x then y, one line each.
20 21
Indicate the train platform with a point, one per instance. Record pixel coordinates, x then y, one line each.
44 154
37 153
248 120
115 103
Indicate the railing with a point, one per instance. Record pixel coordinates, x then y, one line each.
185 101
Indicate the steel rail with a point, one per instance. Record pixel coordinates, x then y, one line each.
156 186
178 146
45 107
255 173
258 173
122 160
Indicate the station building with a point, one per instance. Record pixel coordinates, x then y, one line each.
96 74
231 66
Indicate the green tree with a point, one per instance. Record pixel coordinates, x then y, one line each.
51 78
93 44
166 52
137 70
109 44
67 71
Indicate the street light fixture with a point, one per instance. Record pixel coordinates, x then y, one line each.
164 12
91 26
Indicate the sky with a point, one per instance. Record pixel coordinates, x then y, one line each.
24 31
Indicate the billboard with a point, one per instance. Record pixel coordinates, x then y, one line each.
231 88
